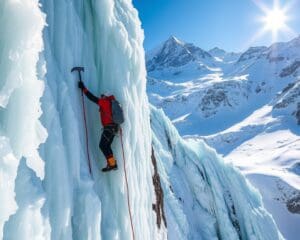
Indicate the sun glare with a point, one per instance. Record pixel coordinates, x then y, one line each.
275 20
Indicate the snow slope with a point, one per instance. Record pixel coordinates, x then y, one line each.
46 190
266 148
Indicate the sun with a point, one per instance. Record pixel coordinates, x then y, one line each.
275 20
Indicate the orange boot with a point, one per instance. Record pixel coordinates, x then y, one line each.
111 164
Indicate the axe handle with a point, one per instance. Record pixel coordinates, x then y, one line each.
79 76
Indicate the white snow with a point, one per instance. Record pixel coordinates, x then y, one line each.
266 150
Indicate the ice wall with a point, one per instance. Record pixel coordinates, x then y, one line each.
50 193
205 198
20 129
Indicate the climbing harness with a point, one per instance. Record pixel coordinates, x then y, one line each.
127 188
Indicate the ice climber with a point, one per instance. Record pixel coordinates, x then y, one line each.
110 128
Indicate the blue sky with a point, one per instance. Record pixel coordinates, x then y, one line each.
228 24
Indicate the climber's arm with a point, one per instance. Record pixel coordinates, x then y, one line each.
89 95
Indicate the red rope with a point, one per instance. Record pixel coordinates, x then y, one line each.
125 174
86 133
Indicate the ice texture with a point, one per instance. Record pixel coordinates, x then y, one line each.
42 121
206 198
46 190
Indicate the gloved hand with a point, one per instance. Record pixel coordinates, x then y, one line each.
81 85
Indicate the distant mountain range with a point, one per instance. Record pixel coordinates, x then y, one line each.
245 105
197 87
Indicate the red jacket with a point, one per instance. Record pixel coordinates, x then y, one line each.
104 104
105 109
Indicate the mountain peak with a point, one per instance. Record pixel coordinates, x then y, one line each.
216 49
217 52
175 53
173 39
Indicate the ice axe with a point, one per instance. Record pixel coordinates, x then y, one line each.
81 69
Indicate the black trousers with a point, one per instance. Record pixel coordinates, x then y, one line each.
107 138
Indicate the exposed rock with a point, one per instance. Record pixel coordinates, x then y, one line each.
296 168
275 59
289 70
158 207
288 196
232 212
289 95
288 87
297 113
219 96
290 98
252 53
293 204
258 89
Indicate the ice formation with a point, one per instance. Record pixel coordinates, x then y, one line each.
46 190
205 198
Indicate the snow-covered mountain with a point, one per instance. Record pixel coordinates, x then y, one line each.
227 89
165 187
174 53
174 57
221 55
230 91
248 108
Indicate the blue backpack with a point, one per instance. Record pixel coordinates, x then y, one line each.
117 112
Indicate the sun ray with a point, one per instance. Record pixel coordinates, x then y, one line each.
275 20
261 5
252 40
